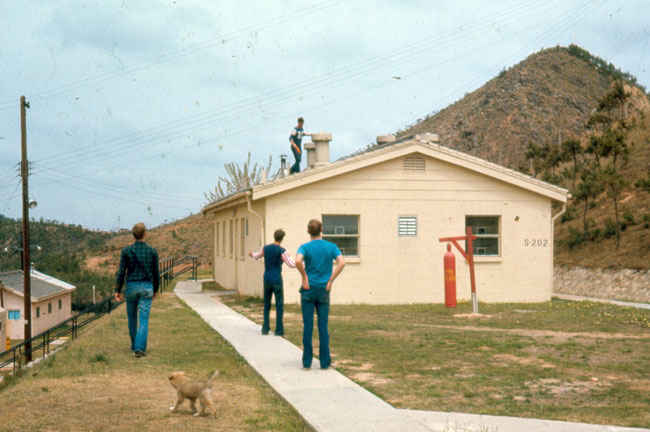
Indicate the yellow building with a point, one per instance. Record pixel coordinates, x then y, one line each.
386 209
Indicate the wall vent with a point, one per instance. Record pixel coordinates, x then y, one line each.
407 226
414 163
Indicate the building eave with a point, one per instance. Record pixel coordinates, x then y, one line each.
230 201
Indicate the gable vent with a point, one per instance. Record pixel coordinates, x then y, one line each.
414 163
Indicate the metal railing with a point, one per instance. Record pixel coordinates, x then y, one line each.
170 268
57 335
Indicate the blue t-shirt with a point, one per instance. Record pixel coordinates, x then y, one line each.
296 136
273 263
319 255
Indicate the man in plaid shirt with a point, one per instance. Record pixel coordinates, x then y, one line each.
139 266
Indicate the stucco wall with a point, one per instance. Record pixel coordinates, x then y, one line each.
15 328
233 271
3 329
393 269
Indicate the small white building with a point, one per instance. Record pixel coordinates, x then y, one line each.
51 302
386 208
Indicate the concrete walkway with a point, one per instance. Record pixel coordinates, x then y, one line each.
328 400
602 300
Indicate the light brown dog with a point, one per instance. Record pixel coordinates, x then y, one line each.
192 390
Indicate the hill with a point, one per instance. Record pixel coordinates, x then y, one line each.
188 236
543 101
59 250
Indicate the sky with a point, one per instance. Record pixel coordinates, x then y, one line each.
135 106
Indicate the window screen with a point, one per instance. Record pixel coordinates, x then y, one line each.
486 229
342 230
407 226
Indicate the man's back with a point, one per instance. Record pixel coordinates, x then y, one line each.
139 262
319 255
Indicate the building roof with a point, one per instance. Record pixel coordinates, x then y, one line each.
42 285
424 144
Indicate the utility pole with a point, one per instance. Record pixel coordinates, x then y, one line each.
27 273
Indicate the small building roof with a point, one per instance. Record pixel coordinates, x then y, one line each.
42 285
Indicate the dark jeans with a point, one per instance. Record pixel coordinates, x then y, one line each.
318 299
295 168
138 302
278 291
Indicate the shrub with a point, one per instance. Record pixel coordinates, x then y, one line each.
628 217
568 215
576 238
595 234
610 228
646 221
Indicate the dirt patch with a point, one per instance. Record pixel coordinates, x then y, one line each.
526 361
371 378
472 315
558 387
558 335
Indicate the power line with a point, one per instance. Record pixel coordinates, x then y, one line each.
177 128
175 54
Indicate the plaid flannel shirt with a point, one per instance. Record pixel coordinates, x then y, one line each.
146 270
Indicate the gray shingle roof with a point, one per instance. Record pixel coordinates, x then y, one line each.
40 288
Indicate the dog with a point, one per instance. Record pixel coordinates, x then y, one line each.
192 390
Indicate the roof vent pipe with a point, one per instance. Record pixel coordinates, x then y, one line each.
318 151
283 166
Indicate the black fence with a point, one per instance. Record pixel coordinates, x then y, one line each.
43 343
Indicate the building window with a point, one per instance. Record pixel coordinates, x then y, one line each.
216 239
60 304
14 315
246 227
223 240
49 308
407 226
342 230
242 238
486 229
38 312
232 238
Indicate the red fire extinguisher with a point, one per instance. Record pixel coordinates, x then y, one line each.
450 278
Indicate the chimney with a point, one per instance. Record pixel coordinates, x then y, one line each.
318 150
385 139
283 166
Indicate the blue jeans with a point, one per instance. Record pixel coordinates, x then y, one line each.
138 297
295 168
318 299
278 291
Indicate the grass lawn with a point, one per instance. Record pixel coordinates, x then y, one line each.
96 384
573 361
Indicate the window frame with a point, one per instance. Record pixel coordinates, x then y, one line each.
60 304
49 307
217 239
223 240
242 239
14 314
478 236
399 217
357 235
232 239
38 311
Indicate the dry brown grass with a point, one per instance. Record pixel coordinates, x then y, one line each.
96 384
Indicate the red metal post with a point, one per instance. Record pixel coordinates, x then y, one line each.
470 259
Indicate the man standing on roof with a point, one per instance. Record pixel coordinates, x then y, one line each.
296 142
274 255
139 266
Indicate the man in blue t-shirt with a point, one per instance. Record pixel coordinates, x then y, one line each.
314 262
296 144
274 255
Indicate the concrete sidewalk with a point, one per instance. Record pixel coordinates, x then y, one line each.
328 400
602 300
